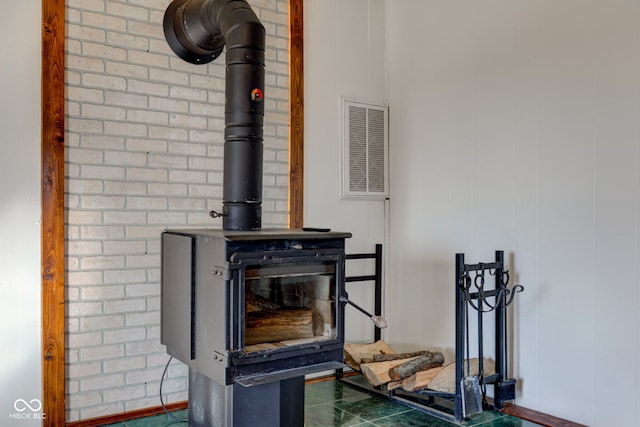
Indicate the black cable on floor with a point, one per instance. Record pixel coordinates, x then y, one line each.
162 401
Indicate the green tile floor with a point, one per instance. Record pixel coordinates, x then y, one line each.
333 403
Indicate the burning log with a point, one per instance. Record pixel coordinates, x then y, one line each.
426 361
278 325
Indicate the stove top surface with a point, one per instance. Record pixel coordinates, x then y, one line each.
265 233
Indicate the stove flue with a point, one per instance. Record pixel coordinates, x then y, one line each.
197 31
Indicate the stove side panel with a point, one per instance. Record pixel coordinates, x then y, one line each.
177 286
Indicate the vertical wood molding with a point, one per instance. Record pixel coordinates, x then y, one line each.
52 257
296 103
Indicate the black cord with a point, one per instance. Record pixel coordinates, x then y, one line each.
162 401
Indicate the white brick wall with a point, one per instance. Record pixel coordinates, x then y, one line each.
144 153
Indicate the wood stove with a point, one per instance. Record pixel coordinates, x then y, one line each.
251 313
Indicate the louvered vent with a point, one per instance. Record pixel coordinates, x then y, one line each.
365 150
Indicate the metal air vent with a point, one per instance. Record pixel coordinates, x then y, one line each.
365 148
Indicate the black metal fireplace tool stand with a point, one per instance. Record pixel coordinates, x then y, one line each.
471 290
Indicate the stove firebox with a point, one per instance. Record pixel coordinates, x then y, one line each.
251 313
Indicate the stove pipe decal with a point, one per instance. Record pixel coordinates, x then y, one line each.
197 31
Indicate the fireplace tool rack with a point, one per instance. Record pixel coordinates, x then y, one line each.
471 290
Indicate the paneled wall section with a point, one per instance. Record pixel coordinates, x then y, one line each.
517 128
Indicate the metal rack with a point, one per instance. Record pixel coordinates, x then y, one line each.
471 290
376 278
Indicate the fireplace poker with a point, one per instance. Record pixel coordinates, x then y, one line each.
379 321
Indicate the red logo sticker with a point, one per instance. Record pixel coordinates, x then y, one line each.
256 95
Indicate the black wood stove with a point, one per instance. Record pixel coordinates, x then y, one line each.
251 313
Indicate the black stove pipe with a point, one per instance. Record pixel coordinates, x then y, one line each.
197 31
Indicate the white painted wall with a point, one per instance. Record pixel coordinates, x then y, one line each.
515 126
20 365
344 45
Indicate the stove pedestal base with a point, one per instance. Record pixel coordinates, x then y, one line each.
276 404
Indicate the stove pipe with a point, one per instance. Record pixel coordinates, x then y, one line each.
197 31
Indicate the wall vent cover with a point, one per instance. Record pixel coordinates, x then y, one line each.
365 150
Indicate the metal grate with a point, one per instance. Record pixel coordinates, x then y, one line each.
365 144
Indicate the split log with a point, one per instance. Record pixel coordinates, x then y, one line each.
378 373
426 361
445 381
255 302
392 385
278 325
389 357
420 380
354 353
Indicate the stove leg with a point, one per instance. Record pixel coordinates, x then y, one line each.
276 404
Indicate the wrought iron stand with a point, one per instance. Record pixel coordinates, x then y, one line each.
471 290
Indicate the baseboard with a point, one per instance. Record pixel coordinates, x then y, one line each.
538 417
126 416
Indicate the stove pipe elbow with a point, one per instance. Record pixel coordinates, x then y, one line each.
197 31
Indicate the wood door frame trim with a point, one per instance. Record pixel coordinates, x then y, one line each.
52 193
52 225
296 117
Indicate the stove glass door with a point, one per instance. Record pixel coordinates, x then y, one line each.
289 303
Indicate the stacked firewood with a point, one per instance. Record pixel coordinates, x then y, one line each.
382 366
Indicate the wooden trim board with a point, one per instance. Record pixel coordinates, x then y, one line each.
52 226
538 417
127 416
296 118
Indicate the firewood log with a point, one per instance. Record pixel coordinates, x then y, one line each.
389 357
354 353
278 325
378 373
426 361
392 385
445 381
420 380
255 302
